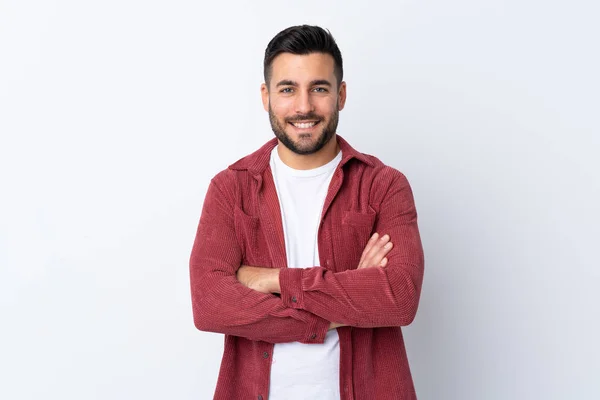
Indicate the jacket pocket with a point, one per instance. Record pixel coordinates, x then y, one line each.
359 219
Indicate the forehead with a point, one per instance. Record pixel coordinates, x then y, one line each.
301 68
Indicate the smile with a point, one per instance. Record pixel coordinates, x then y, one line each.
304 125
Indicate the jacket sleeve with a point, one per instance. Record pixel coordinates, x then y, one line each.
368 297
221 303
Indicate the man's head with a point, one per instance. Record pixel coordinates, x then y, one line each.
303 90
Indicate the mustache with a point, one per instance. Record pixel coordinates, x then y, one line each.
303 117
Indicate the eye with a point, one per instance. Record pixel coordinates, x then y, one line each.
320 90
286 90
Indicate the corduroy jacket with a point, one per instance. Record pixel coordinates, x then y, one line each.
241 223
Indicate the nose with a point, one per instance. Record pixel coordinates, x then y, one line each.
303 103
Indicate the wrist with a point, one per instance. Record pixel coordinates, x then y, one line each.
274 286
335 325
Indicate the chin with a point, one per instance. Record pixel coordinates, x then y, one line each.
305 139
303 136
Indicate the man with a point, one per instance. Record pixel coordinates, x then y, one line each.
293 258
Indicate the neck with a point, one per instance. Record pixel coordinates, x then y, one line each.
309 161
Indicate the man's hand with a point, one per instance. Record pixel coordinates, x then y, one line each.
374 254
264 280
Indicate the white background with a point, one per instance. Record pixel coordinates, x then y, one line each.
114 116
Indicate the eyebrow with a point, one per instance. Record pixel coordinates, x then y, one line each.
287 82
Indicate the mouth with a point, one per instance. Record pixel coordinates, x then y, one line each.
304 125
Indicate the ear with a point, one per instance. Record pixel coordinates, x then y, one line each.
342 96
264 93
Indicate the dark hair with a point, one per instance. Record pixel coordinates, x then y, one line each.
303 39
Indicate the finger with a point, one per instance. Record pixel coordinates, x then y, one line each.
383 262
370 256
378 257
367 248
370 244
383 252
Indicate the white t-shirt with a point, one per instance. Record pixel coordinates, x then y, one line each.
304 371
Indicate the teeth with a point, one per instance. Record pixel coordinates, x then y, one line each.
304 125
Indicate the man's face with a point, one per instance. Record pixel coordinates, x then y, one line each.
303 100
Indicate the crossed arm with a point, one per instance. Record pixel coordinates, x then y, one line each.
240 301
266 280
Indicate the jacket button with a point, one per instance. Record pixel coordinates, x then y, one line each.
294 299
313 336
260 397
265 355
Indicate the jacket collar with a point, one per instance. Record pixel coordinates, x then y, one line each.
257 162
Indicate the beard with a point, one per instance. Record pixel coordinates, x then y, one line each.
301 146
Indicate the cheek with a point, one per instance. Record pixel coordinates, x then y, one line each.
326 108
281 109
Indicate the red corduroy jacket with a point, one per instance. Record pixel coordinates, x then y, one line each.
241 224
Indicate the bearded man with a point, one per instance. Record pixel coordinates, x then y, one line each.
307 256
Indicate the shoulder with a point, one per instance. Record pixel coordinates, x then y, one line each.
381 173
225 183
382 180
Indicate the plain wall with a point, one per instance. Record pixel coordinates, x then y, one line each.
115 115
